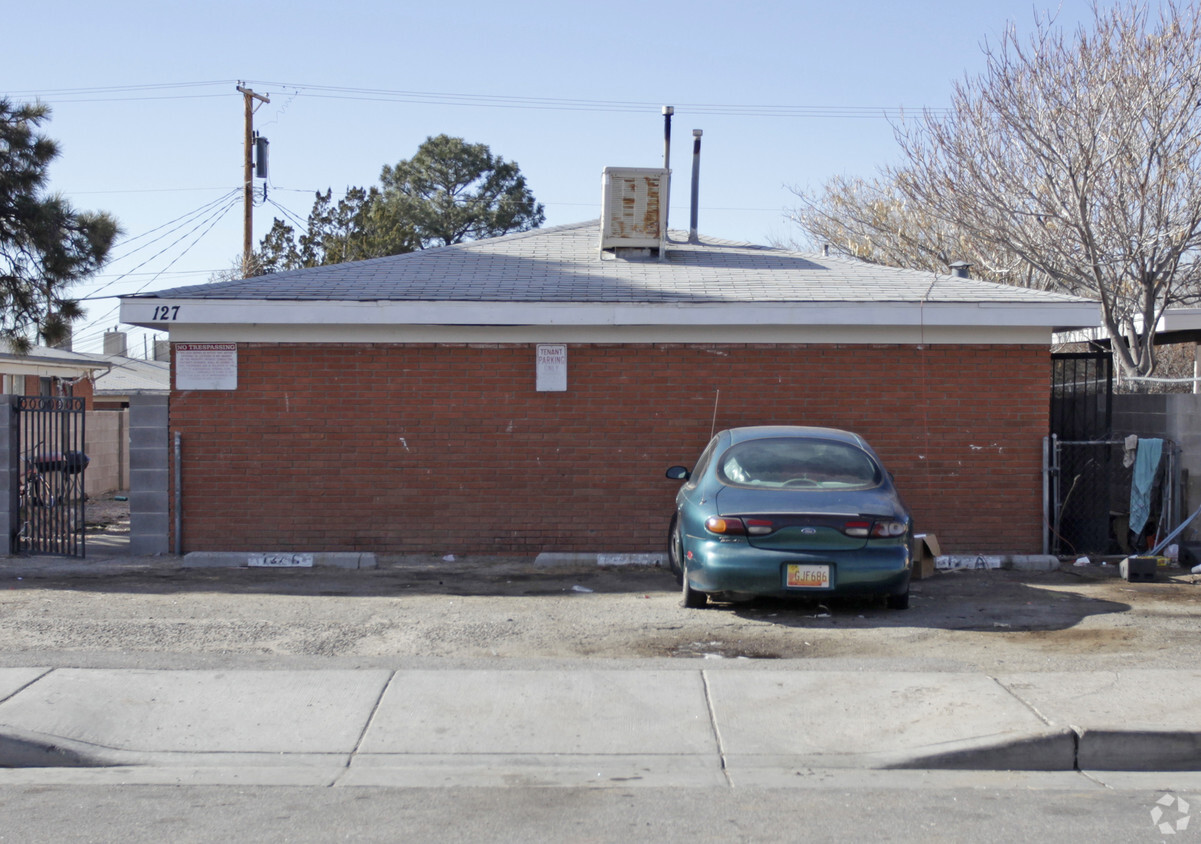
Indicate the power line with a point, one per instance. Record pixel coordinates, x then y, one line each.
215 214
112 89
509 101
212 220
291 215
180 219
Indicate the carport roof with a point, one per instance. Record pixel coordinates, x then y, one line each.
564 265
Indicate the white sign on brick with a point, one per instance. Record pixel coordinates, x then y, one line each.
552 367
206 366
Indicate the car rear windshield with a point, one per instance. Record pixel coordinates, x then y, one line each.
798 463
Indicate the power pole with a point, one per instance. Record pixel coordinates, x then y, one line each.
248 96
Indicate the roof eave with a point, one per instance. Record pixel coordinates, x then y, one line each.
164 314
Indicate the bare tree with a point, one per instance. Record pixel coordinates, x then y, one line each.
872 221
1080 155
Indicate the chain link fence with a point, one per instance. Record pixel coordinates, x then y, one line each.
1088 495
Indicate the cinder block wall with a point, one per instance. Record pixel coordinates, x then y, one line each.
1176 416
149 506
449 448
106 442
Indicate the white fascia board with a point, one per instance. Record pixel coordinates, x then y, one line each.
1180 319
1170 321
165 314
623 334
48 369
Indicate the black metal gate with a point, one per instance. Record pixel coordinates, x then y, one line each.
1081 395
1084 463
51 437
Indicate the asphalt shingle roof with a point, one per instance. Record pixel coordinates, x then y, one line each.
563 264
132 375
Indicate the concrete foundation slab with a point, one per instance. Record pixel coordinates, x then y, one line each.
279 559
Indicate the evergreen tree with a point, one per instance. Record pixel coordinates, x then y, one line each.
45 244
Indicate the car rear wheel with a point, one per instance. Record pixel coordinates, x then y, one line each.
689 597
674 555
898 602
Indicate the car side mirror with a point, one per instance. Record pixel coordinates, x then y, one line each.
678 473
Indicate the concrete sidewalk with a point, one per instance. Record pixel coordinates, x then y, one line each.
693 726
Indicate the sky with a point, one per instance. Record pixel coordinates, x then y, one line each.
150 124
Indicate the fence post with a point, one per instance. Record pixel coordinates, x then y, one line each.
10 475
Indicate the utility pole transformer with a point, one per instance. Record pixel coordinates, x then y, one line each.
248 96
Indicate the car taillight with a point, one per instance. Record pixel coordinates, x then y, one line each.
887 529
733 526
724 526
857 528
883 529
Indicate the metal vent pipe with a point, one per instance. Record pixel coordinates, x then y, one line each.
696 179
668 111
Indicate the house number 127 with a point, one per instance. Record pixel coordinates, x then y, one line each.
166 312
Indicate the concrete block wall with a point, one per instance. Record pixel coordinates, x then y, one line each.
106 442
149 476
1174 416
1145 415
411 448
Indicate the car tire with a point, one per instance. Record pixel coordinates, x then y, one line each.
898 602
689 597
674 544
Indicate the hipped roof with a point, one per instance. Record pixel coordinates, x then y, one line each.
558 276
562 264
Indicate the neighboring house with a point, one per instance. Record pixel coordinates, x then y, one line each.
525 394
105 382
129 377
51 372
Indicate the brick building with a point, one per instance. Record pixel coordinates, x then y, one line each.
525 393
51 372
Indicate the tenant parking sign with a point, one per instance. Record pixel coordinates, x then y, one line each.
552 367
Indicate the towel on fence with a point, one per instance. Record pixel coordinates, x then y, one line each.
1145 465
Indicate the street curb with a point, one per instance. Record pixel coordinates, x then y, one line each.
22 749
1061 749
1055 749
1138 750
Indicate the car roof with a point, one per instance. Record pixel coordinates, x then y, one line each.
759 432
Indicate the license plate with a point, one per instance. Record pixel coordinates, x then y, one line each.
802 576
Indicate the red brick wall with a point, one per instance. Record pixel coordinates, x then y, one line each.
81 389
449 448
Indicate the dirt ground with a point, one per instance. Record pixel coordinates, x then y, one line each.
107 515
484 609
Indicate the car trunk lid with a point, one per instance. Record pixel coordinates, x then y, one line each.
804 523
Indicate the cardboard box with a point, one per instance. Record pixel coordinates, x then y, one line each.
925 549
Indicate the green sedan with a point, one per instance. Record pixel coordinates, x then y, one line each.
789 511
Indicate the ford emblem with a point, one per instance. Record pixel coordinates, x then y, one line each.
809 531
